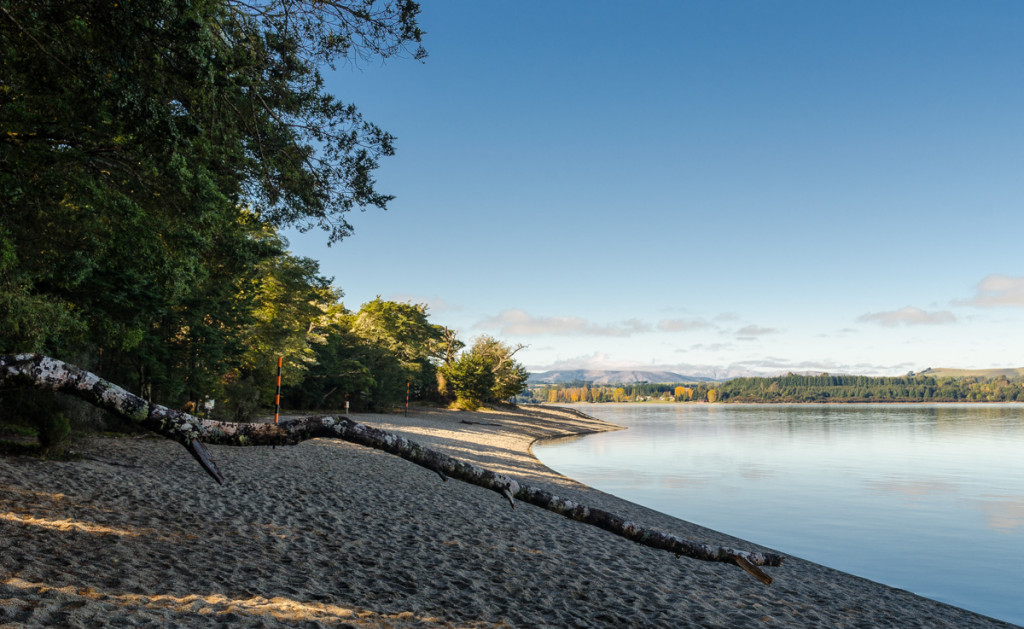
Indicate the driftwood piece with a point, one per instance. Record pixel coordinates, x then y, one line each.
42 372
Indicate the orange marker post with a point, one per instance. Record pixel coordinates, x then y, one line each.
406 397
277 400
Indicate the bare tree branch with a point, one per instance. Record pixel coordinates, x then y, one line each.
41 372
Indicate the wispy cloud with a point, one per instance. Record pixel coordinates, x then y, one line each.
682 325
997 291
908 316
841 332
777 365
597 360
706 347
751 332
518 322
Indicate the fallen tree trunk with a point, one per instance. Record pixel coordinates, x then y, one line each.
42 372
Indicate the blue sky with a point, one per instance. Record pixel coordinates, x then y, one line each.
703 186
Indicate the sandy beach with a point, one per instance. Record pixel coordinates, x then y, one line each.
329 534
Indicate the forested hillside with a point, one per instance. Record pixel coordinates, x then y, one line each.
623 392
826 388
793 389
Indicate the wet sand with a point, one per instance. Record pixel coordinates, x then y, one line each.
329 534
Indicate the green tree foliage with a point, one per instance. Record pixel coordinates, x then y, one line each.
470 379
149 151
401 344
291 309
509 376
371 357
400 328
829 388
343 372
132 134
487 372
798 388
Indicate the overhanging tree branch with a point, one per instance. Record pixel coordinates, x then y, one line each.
45 373
27 33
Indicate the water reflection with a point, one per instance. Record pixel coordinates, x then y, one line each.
875 490
1004 513
913 489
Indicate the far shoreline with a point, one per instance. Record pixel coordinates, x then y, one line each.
774 403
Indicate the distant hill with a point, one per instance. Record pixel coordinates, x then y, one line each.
601 376
945 372
630 376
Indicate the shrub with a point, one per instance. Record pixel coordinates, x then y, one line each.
54 434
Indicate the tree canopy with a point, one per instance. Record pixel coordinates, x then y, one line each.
150 152
487 372
793 388
140 140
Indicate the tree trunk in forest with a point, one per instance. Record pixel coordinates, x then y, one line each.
42 372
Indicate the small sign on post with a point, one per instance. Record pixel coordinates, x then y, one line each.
277 400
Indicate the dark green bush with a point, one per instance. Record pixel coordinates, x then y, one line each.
54 434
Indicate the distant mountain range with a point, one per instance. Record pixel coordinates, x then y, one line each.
946 372
602 376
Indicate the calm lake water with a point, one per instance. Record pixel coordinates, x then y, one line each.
928 498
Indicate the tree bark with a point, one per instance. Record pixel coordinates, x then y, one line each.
42 372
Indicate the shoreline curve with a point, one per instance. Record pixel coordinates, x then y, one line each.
331 534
